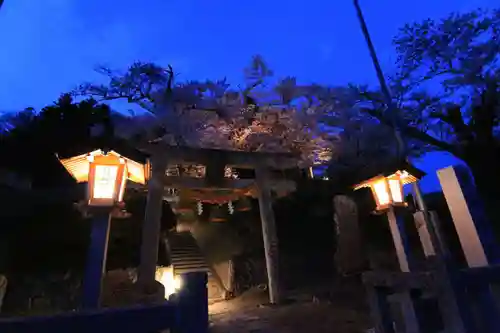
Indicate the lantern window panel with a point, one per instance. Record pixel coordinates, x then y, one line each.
396 189
381 192
105 181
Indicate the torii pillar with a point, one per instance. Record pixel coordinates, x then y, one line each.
268 233
152 224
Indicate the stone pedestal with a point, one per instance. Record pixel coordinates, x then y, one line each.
96 259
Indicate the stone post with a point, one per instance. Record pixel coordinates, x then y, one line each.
96 259
473 228
423 223
192 304
396 225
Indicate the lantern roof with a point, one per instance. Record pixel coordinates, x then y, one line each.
78 166
405 170
121 146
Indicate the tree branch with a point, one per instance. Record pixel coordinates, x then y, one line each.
415 133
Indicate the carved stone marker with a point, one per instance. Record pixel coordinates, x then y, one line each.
467 211
349 254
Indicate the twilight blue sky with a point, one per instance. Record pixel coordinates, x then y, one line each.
49 46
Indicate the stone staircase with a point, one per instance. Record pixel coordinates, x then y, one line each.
185 254
186 257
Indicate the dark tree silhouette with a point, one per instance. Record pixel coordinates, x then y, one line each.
62 128
447 91
47 232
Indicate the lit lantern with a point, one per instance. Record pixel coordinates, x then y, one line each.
388 190
106 175
171 282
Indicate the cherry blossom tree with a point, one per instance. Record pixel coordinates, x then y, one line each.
261 116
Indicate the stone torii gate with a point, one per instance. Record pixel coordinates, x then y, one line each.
214 162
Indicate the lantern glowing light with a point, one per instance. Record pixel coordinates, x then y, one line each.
388 190
381 192
106 174
104 181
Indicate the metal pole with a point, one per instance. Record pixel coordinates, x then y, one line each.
383 84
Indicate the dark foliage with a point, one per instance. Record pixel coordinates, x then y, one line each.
447 91
45 232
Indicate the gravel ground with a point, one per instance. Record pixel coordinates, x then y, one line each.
319 311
